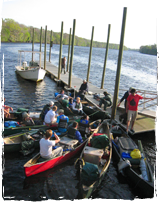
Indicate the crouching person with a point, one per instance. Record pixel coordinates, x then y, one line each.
46 145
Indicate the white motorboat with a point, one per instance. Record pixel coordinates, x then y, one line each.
34 71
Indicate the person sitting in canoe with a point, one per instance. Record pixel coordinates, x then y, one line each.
27 120
46 145
77 106
6 110
61 96
84 125
70 104
46 108
62 121
74 133
50 117
106 100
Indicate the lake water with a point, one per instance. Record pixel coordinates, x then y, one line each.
138 70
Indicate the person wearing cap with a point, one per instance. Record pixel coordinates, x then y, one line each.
62 121
46 146
125 96
83 89
27 120
106 100
46 108
132 108
50 117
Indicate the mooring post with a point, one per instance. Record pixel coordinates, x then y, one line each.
68 57
50 46
60 53
119 66
106 55
41 31
90 54
45 47
33 45
72 51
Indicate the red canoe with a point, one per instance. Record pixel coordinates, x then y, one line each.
34 166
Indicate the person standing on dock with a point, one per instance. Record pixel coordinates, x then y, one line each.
63 64
125 96
83 90
46 145
132 108
106 100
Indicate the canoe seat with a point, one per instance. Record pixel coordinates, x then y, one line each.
68 141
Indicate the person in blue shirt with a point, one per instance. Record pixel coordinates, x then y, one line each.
74 133
62 121
84 125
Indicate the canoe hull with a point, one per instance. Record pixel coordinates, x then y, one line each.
9 148
15 130
41 167
87 192
146 189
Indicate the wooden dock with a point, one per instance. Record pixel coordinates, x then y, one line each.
146 118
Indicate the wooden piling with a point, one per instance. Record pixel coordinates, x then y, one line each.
90 54
41 31
45 47
119 65
60 53
106 55
72 51
33 45
68 57
50 46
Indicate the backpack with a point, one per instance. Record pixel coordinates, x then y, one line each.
100 141
89 173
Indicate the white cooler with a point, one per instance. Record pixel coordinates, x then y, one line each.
93 155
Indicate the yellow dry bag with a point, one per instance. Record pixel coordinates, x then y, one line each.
135 154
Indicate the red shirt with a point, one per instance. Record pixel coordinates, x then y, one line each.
2 106
133 101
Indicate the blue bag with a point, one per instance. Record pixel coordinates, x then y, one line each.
10 124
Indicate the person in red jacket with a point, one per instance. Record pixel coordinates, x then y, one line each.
132 108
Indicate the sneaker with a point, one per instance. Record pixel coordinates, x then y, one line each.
132 131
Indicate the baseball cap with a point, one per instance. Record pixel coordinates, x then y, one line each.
51 103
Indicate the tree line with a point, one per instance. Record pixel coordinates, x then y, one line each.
14 32
151 49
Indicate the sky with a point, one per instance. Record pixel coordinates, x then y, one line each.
141 22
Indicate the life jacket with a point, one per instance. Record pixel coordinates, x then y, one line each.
71 132
83 126
63 121
78 106
10 124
